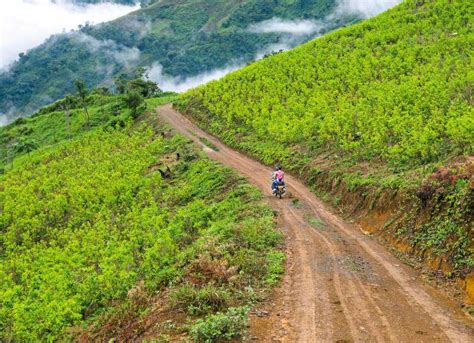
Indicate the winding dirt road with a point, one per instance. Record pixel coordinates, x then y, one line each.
340 286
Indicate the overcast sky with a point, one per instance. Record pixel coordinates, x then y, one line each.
25 24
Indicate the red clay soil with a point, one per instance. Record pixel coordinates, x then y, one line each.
339 285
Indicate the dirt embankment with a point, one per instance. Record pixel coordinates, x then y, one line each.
397 218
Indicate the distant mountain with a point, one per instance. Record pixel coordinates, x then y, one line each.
181 38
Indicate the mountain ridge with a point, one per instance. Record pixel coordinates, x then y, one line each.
186 39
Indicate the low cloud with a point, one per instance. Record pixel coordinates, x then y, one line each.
180 84
25 24
124 56
292 33
295 32
292 27
121 54
3 120
365 8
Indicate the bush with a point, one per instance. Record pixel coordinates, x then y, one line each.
220 326
275 267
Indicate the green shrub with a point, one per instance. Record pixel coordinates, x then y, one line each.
275 269
221 326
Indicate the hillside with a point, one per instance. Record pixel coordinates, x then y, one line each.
378 118
112 237
185 38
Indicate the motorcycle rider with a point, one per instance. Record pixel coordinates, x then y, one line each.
277 177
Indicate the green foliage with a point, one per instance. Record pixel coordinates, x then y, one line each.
221 326
134 99
397 87
208 143
259 10
163 98
81 89
64 119
275 267
186 37
198 301
87 217
450 232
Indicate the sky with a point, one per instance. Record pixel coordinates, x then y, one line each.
25 24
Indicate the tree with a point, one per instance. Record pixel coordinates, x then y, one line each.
141 73
121 83
82 92
134 99
146 88
68 103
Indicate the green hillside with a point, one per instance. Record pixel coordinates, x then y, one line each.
382 110
91 233
186 37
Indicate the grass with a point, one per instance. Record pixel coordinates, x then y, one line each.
317 223
208 143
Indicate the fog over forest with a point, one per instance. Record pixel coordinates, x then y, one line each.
25 24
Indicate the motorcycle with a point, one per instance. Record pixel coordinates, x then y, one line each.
280 189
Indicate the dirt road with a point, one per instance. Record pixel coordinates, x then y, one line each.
340 286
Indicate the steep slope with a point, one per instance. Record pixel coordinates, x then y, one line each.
113 239
377 117
185 38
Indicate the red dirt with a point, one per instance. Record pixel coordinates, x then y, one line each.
339 285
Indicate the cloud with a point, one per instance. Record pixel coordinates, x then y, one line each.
292 33
3 120
295 32
121 54
180 84
292 27
25 24
364 8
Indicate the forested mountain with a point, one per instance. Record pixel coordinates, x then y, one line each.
377 113
185 38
